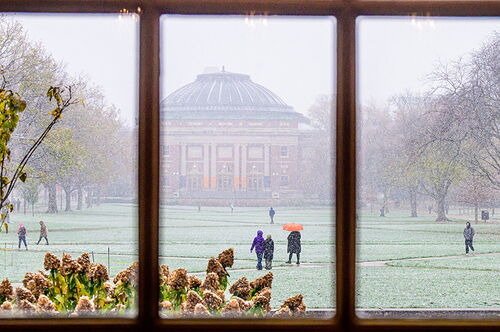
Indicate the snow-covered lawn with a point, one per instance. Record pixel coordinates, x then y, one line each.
188 238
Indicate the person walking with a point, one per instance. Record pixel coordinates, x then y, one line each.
469 236
43 233
258 244
294 246
269 252
271 214
21 233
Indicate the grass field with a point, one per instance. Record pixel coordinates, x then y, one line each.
188 238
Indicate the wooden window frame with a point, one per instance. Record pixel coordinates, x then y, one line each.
346 12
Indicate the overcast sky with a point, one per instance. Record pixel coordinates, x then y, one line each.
293 57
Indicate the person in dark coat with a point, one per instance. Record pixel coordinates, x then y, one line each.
271 214
43 233
294 246
269 252
258 244
469 236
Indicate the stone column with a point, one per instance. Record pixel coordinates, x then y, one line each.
243 166
266 160
267 167
182 177
213 166
183 159
206 166
236 167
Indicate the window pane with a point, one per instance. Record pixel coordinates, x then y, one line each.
77 202
429 147
247 110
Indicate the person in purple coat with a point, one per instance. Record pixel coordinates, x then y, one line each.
258 244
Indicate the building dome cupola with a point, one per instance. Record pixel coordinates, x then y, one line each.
223 94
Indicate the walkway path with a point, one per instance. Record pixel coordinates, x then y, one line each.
369 264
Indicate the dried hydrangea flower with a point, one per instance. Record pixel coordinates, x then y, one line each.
69 265
194 282
27 277
210 283
84 306
266 292
26 307
220 293
24 294
217 268
231 309
244 305
263 282
108 287
164 274
98 272
51 262
6 289
262 301
212 300
283 312
133 271
192 300
226 258
45 305
166 306
6 306
38 284
84 262
301 309
123 277
293 302
241 288
178 279
201 311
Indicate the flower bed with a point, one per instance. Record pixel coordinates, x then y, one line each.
77 287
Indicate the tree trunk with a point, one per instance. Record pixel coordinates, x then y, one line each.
413 202
476 211
79 194
67 191
441 211
386 207
24 205
33 209
52 203
98 202
89 198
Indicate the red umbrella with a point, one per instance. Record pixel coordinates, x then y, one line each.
293 227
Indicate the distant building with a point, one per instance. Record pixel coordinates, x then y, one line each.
228 139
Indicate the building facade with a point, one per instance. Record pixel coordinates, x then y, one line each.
227 139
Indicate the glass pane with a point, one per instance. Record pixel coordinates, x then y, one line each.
247 111
428 230
69 215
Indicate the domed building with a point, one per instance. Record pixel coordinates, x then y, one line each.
228 139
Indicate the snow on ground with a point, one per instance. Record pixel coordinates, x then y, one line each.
188 238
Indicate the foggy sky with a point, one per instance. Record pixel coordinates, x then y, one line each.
293 57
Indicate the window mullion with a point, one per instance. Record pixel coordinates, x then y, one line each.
346 169
149 137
